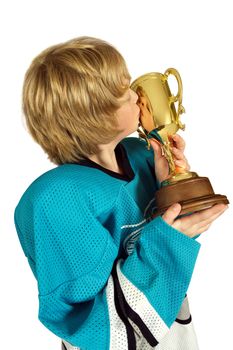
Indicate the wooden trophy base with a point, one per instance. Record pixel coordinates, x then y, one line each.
193 194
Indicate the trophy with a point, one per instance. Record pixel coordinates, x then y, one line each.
160 119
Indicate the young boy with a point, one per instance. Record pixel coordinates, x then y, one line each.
108 276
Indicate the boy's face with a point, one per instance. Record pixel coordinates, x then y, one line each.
128 114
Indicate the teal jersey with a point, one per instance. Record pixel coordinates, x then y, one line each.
109 277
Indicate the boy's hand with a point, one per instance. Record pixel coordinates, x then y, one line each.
161 163
193 224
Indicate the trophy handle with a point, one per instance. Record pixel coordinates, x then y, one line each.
176 74
178 96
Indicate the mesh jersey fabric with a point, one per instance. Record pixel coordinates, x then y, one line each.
108 276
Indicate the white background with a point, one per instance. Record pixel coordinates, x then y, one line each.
195 38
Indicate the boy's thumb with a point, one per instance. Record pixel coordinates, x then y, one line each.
171 213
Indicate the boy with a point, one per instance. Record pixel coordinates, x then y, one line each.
108 276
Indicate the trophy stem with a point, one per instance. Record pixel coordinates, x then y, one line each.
176 173
168 154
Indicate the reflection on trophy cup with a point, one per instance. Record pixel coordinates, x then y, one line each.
159 120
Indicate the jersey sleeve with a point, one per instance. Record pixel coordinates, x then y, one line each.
90 297
155 278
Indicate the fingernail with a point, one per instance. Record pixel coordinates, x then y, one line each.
180 164
175 207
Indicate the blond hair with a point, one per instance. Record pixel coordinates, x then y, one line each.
71 93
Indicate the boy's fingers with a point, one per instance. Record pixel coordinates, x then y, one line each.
202 218
208 213
212 218
178 153
183 164
179 141
156 147
201 230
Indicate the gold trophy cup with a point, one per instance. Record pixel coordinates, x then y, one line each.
160 119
